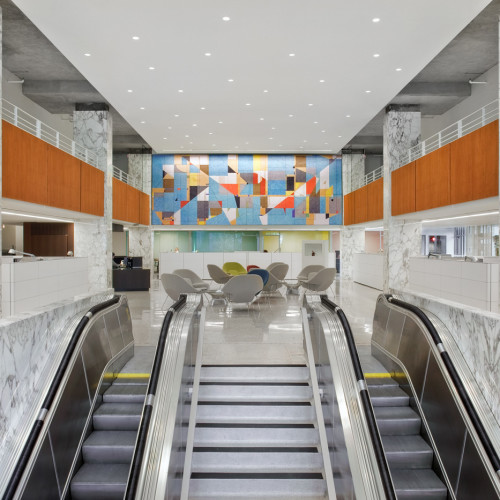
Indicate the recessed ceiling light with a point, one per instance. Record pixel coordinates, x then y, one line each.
348 116
87 54
164 138
135 38
190 142
340 136
220 122
292 54
130 90
261 119
180 90
305 140
273 128
323 131
376 55
169 128
399 69
270 138
315 123
310 104
195 125
186 135
142 107
376 19
210 133
143 122
177 116
226 18
213 144
202 109
230 80
247 104
322 81
290 116
151 68
368 91
265 91
208 54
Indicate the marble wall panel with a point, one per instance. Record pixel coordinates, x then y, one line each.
353 172
139 171
477 334
140 245
31 344
352 241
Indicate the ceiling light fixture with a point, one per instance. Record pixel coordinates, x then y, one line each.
143 121
323 131
202 109
340 136
273 128
376 55
322 81
210 133
151 68
208 54
376 20
87 54
348 116
135 38
129 91
142 107
180 91
8 212
177 116
266 91
290 116
310 104
399 69
195 125
220 122
186 135
230 80
494 212
247 104
315 123
292 55
261 119
164 138
226 18
368 91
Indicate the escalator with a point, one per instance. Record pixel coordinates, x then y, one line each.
198 430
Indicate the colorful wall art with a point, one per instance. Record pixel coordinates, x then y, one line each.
238 190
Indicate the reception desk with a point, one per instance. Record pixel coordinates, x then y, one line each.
131 280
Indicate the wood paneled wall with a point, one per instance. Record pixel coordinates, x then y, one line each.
464 170
130 204
37 172
364 204
48 239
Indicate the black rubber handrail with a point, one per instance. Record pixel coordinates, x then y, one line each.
49 398
457 382
142 435
382 464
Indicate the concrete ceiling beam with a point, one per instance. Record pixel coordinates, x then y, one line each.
433 89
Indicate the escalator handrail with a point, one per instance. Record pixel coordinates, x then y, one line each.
455 378
365 400
29 446
142 435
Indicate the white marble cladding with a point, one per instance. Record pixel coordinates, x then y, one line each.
477 334
197 262
353 172
140 245
139 171
1 96
404 242
94 130
91 242
30 346
473 283
368 269
352 241
30 285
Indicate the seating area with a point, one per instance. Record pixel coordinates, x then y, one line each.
237 285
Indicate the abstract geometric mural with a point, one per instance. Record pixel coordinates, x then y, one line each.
247 190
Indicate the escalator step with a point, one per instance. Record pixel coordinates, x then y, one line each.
282 489
397 420
256 462
109 447
125 394
419 484
253 374
254 437
388 395
407 452
117 416
255 393
100 482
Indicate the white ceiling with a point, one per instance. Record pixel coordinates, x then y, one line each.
332 40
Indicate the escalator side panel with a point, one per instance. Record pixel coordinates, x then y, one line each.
126 325
114 332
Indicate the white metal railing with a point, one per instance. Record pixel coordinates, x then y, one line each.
374 175
474 121
127 179
19 118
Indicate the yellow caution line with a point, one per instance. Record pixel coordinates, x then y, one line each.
127 375
384 375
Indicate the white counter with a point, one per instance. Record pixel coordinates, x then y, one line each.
30 285
368 269
473 283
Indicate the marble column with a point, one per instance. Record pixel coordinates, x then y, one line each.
140 245
352 240
139 171
353 171
402 238
92 128
1 65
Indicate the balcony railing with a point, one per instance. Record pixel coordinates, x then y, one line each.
19 118
474 121
127 179
374 175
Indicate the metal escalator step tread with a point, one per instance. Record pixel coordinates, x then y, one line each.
117 416
254 393
407 452
254 437
262 414
256 462
418 483
109 447
125 394
397 420
260 374
380 381
99 481
388 395
243 489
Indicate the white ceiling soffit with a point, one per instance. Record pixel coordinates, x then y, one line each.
277 102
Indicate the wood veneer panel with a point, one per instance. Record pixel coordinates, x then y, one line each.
361 205
403 189
63 179
91 190
375 195
474 165
119 200
432 179
349 209
144 209
133 205
24 169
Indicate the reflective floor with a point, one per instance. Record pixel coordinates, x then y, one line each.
268 332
